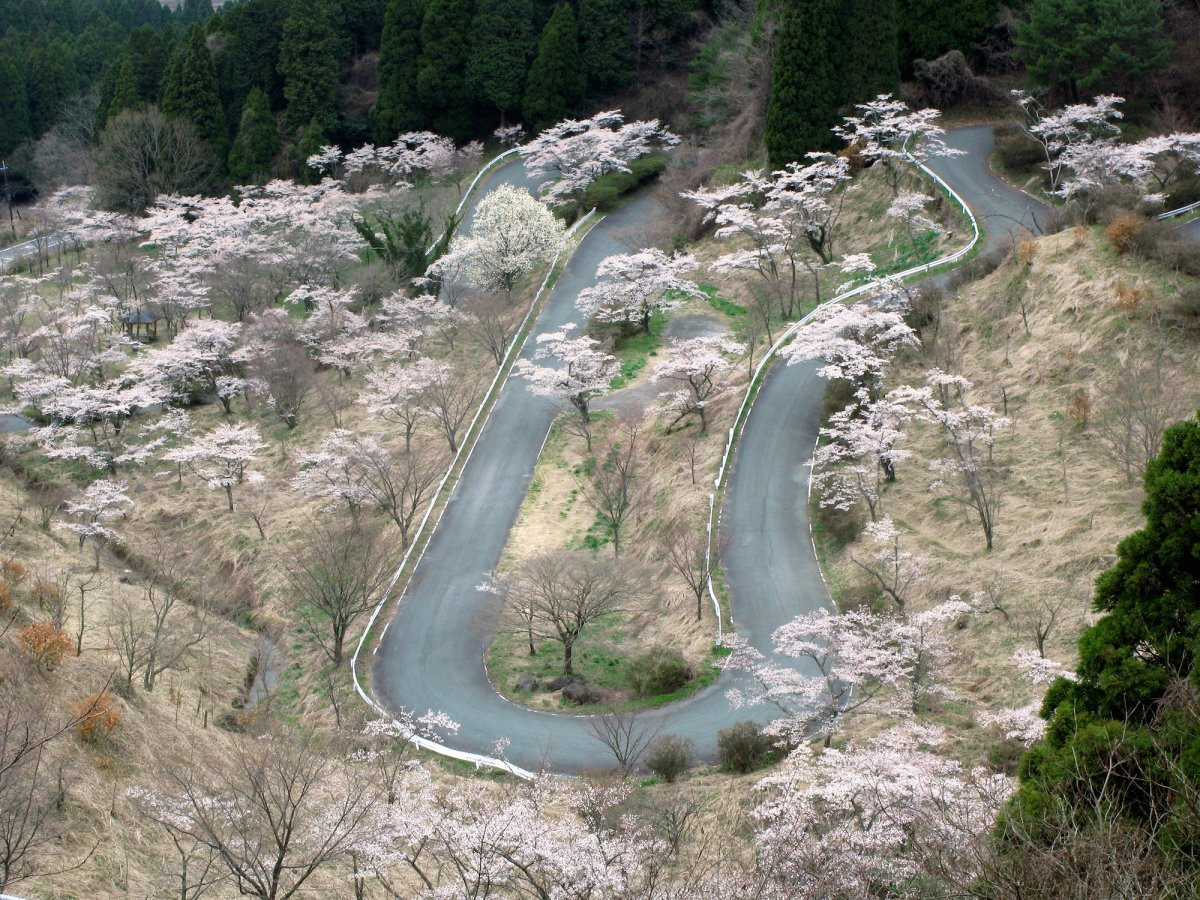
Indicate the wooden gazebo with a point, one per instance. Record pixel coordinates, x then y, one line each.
141 324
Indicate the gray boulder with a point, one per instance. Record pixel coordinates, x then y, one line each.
526 683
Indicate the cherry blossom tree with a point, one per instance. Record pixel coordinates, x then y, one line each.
845 663
909 208
968 435
631 288
1074 124
855 341
547 838
190 365
858 453
221 457
786 218
874 817
511 235
332 472
578 371
574 153
410 156
887 132
102 502
699 365
894 570
397 394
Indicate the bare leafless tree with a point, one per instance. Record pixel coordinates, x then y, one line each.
492 320
684 548
626 736
402 483
32 791
286 375
337 571
616 489
1137 405
143 154
567 591
1043 617
274 814
450 399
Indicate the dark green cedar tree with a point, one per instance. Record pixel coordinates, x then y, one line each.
256 143
308 62
1096 45
930 28
806 84
14 108
556 79
397 107
1124 738
442 71
604 42
190 92
872 59
502 44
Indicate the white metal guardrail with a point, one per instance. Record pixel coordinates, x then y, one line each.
754 387
1182 211
501 377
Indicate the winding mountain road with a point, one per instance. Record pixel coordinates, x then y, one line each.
431 654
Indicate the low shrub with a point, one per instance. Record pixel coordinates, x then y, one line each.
1183 309
1184 192
605 191
98 717
743 747
1017 152
6 598
670 755
660 670
13 572
46 644
1121 231
843 526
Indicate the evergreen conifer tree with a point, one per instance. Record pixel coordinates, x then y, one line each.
256 143
14 108
397 108
1122 743
501 47
308 62
556 79
872 59
442 74
190 92
310 142
807 83
604 42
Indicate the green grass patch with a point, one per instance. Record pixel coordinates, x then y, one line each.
601 657
722 304
635 350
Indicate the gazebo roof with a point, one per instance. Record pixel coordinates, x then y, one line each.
140 317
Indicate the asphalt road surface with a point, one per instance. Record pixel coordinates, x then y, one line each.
431 656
